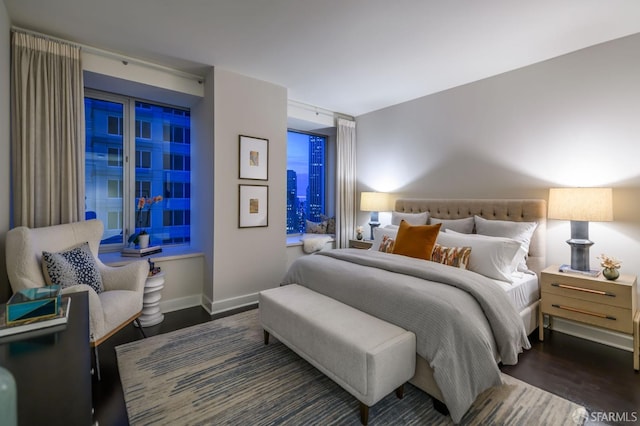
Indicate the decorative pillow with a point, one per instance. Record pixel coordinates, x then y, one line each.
519 231
410 218
457 257
493 257
380 233
316 227
463 226
416 241
387 244
72 267
331 223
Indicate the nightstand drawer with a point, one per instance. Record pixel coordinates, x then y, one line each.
597 291
606 316
360 244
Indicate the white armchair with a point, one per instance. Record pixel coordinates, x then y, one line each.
118 305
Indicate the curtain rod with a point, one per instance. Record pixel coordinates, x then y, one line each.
112 55
318 110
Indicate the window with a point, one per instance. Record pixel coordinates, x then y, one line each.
119 129
306 180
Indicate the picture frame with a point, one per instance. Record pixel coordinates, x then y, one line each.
254 158
253 206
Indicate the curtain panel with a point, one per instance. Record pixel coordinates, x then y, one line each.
345 182
47 132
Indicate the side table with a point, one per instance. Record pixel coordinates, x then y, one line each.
151 314
360 244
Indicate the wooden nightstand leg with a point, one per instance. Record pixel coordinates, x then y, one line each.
636 341
540 324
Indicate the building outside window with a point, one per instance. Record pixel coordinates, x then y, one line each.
306 180
160 165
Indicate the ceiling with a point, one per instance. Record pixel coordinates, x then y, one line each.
347 56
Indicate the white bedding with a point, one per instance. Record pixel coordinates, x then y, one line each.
524 290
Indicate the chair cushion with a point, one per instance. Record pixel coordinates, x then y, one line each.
70 267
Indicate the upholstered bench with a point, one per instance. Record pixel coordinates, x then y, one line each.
366 356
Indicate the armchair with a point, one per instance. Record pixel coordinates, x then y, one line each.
109 311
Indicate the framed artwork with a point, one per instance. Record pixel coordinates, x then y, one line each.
254 158
254 206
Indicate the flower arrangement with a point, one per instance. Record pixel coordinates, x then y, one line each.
609 262
142 203
359 230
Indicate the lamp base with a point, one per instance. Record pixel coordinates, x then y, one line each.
580 244
373 225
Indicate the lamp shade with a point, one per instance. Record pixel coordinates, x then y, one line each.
581 204
374 202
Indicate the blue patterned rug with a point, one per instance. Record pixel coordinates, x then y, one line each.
221 373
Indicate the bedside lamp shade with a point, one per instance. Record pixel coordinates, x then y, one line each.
580 206
374 202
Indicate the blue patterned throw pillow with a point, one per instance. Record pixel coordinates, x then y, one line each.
72 267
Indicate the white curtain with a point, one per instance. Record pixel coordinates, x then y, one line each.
345 182
47 132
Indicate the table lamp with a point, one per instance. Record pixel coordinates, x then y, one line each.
374 202
580 206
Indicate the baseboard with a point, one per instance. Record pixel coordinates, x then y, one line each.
598 335
180 303
229 304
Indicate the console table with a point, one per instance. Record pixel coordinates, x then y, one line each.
53 371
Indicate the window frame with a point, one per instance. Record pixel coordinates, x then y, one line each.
329 167
129 155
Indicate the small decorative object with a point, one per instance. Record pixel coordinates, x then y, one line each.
143 221
33 303
359 230
143 239
610 267
254 206
8 398
254 158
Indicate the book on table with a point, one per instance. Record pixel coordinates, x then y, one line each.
35 326
138 252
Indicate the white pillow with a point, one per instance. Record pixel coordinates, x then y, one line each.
379 234
493 257
464 225
519 231
410 218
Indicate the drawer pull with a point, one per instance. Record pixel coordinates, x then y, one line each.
580 311
586 290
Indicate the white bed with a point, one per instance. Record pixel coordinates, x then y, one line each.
525 294
334 277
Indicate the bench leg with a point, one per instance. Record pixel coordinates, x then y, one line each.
266 337
400 392
364 414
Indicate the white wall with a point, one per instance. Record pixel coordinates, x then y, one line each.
5 158
247 260
569 121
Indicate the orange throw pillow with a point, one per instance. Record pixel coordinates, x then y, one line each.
416 241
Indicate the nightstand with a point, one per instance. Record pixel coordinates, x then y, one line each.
360 244
591 300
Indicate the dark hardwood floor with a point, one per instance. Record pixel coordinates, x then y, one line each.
599 377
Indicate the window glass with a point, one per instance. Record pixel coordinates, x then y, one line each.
114 184
306 180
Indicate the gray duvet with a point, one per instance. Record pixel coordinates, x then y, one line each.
463 322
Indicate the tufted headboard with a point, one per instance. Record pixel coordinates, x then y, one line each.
517 210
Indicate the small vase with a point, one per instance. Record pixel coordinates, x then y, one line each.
359 235
611 273
143 241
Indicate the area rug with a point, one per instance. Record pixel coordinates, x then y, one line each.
221 372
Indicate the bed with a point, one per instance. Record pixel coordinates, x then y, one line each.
361 279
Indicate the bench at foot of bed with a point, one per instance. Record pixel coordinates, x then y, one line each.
366 356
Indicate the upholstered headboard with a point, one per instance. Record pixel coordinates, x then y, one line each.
497 209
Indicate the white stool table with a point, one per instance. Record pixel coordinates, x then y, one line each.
151 314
